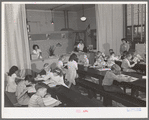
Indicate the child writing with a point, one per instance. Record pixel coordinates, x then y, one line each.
112 59
37 99
72 70
55 78
112 75
99 63
45 71
21 90
12 77
126 66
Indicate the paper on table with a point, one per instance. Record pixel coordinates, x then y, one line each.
132 78
31 89
49 101
104 69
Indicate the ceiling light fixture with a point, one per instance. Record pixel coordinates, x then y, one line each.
83 18
52 22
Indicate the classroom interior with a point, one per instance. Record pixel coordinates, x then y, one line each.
57 29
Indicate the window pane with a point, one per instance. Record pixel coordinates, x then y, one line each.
128 14
135 14
140 7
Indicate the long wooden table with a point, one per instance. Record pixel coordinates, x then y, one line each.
136 85
139 66
73 98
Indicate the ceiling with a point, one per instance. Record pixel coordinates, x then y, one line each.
59 7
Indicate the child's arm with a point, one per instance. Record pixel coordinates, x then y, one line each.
121 78
46 77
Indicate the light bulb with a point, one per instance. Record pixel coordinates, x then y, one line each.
83 18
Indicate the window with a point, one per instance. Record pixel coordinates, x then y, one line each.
136 23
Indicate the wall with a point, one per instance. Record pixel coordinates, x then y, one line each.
67 44
40 20
59 20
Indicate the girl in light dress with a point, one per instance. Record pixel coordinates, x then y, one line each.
12 78
72 70
37 51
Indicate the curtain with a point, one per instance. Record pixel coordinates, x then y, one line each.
16 38
109 22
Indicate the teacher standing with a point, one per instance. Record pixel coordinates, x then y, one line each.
80 46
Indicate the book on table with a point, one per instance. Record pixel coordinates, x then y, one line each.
49 101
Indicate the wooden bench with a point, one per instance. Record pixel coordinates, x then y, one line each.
124 99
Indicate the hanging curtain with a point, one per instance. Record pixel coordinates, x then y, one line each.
109 22
16 38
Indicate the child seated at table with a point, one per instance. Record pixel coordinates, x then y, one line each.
112 59
60 63
112 75
84 60
110 51
37 99
54 78
136 57
124 55
100 63
21 90
126 66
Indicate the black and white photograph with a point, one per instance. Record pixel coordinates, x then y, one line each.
74 59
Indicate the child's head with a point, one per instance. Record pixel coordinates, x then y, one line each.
62 58
98 53
110 51
81 41
73 57
125 53
57 72
128 56
116 69
41 89
12 70
29 79
123 40
46 67
35 47
112 54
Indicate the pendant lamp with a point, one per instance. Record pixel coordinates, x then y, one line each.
83 18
